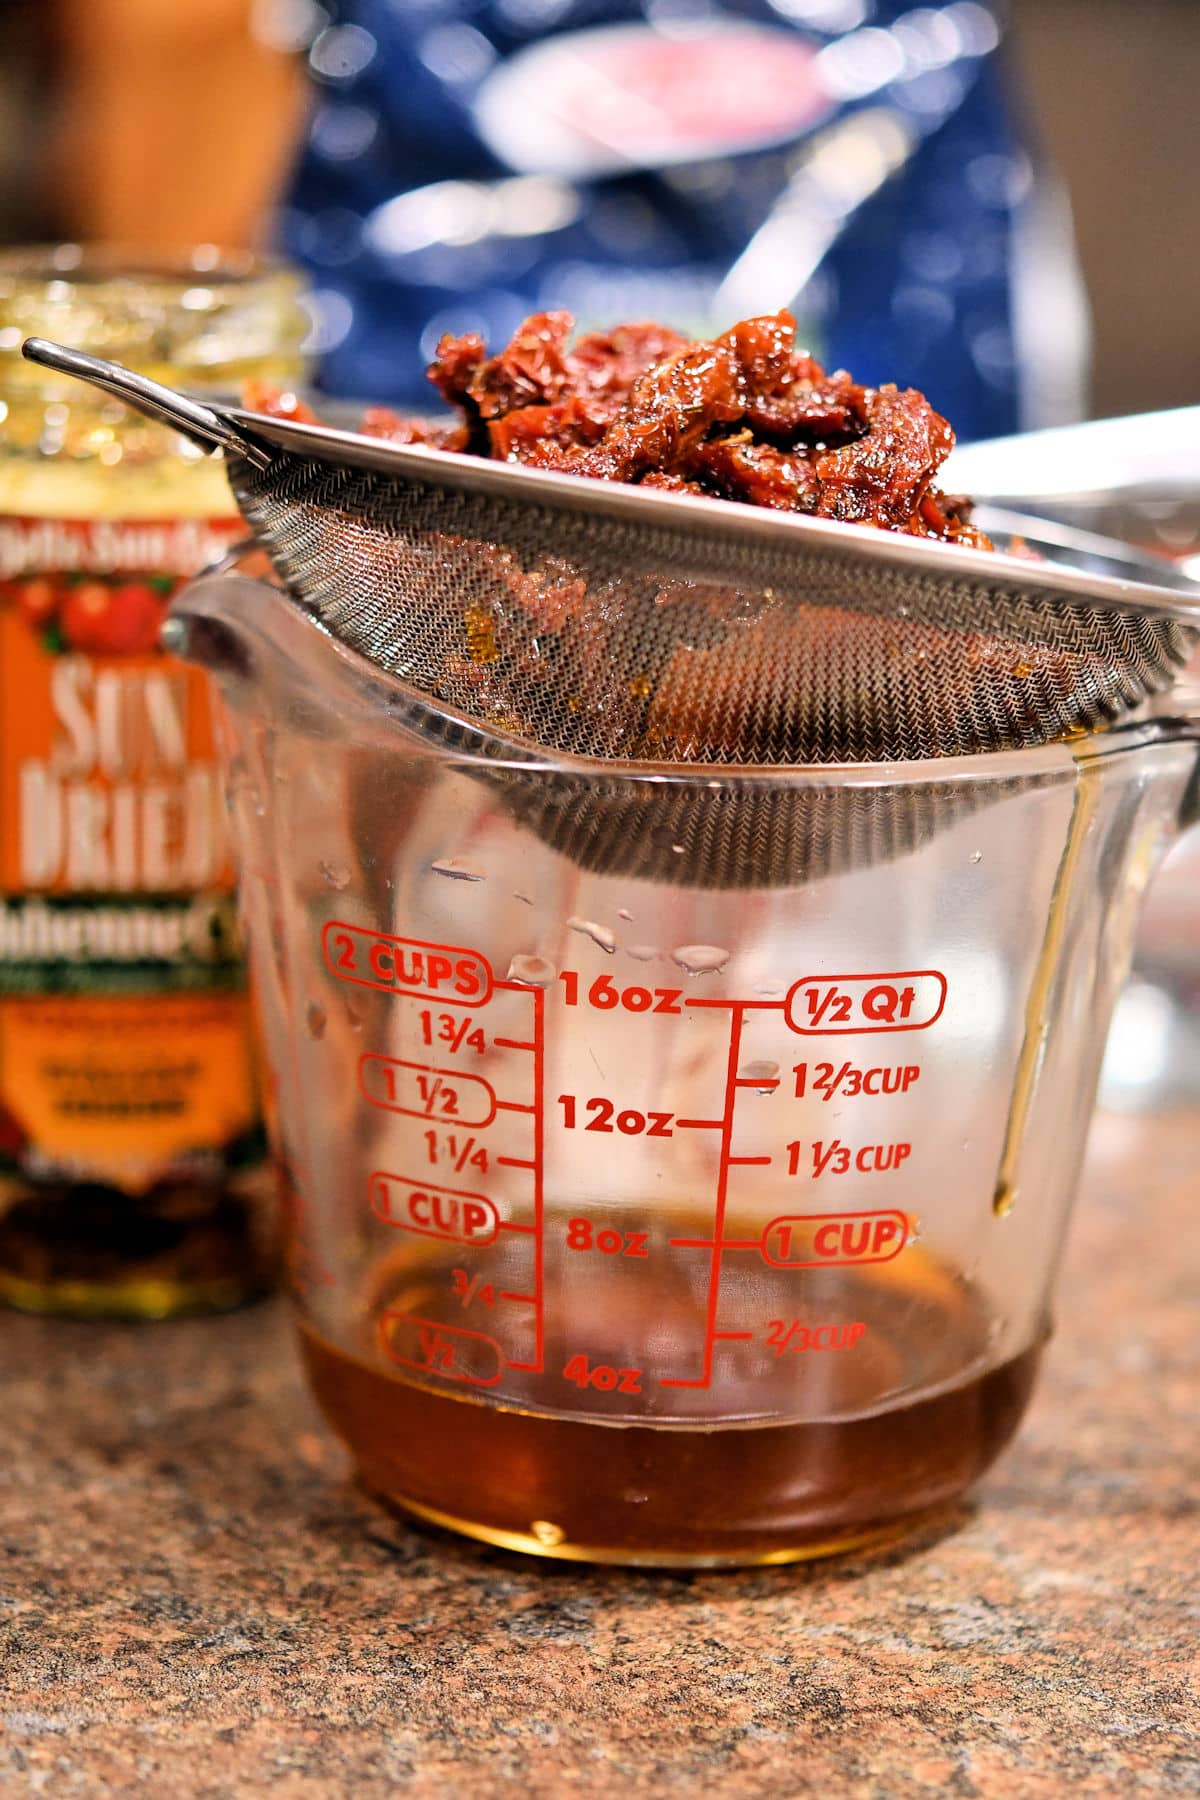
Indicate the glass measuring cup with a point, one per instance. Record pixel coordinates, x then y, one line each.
678 1159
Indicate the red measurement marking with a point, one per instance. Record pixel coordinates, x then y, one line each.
605 1116
539 1132
796 1335
836 1158
406 965
837 1081
453 1031
602 1375
583 1235
468 1288
711 1243
518 1162
735 1337
824 1080
512 1106
823 1240
700 1124
511 1043
749 1162
604 994
431 1211
422 1092
741 1005
450 1147
436 1349
909 1000
714 1267
525 1299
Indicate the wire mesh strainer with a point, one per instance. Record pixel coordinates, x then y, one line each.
599 620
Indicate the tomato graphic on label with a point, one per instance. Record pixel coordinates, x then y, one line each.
38 601
112 621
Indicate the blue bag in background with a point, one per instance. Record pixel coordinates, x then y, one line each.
470 161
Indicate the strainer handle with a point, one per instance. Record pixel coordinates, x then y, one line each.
205 425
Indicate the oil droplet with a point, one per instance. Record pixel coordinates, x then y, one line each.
353 1016
642 952
677 849
700 959
481 635
456 869
641 687
622 913
534 971
599 934
523 898
977 856
240 784
547 1533
764 1074
315 1019
337 874
1003 1200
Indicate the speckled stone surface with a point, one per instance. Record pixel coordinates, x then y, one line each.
197 1602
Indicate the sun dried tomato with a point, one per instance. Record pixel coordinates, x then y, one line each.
748 416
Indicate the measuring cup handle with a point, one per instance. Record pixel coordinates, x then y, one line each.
1189 806
205 425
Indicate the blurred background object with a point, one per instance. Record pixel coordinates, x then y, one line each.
856 160
173 123
149 125
1112 87
166 124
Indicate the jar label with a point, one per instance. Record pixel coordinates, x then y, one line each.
124 1042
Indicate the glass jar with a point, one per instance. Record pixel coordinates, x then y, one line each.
132 1172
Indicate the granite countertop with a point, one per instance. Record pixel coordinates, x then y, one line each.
197 1602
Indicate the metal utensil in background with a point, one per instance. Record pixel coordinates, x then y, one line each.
839 169
1136 479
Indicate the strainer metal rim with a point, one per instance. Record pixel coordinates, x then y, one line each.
1171 594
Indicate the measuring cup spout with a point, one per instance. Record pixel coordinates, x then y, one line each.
1188 697
1174 719
269 657
218 621
212 635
